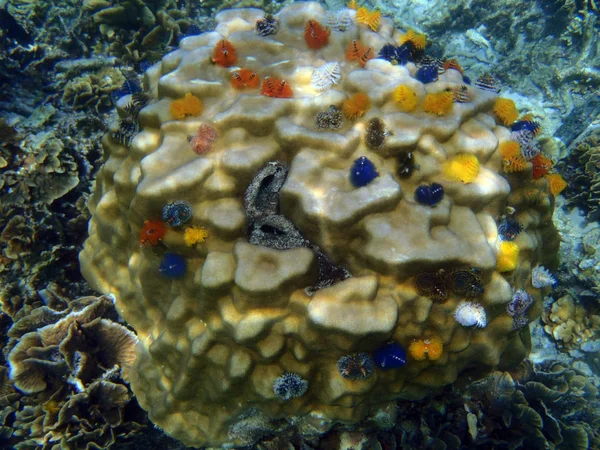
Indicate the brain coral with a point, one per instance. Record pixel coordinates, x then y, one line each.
214 342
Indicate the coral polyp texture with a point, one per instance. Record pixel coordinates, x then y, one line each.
303 266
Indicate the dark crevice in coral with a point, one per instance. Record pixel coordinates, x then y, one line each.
268 228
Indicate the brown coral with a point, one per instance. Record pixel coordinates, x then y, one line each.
72 365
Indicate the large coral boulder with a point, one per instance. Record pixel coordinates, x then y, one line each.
306 271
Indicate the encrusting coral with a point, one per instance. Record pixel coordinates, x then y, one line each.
318 229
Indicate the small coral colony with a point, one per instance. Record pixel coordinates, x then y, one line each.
519 154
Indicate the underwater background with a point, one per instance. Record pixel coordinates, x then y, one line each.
63 67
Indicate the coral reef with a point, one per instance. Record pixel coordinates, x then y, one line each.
548 44
582 171
548 402
536 406
45 235
251 303
45 181
69 361
570 323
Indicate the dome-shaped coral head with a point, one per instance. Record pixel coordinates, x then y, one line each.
358 366
189 105
356 106
356 51
315 35
276 88
505 110
152 232
541 166
177 213
470 314
541 278
224 53
372 19
508 256
462 167
405 98
244 79
556 183
362 172
289 386
430 348
202 141
439 104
